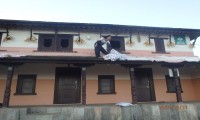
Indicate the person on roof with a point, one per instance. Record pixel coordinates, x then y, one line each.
98 45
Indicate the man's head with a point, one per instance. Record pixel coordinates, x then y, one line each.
107 37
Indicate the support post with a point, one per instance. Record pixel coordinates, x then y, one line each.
83 79
133 85
8 86
177 85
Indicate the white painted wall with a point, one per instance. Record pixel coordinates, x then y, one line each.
90 38
179 47
19 37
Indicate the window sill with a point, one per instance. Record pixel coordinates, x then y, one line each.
56 51
124 52
99 93
172 91
160 52
25 93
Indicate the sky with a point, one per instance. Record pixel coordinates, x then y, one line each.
157 13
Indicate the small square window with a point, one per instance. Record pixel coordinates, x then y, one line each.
180 40
171 86
106 84
117 43
26 85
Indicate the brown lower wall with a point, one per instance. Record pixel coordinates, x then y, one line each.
45 92
196 86
187 95
122 89
2 89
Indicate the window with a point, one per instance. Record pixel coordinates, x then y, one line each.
159 45
26 85
180 40
106 84
47 42
117 43
171 87
64 43
0 38
51 43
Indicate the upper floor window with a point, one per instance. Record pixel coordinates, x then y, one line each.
47 43
106 84
180 40
64 43
159 45
0 38
117 43
26 85
52 43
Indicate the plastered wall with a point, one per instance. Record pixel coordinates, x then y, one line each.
46 80
90 38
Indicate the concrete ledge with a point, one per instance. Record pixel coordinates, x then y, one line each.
142 111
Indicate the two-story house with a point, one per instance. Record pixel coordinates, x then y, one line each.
46 63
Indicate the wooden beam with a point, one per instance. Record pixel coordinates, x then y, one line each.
54 33
83 64
158 37
177 84
83 78
133 85
172 65
194 42
3 32
131 65
6 98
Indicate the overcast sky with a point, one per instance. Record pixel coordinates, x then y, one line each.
158 13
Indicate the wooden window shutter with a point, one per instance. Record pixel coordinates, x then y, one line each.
46 43
0 38
26 84
159 45
64 43
171 86
106 84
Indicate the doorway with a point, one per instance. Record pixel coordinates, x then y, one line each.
144 84
67 85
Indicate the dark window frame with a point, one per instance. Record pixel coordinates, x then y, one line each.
112 84
59 47
122 43
1 34
159 45
56 43
21 78
169 84
41 46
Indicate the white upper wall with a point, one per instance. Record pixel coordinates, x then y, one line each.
89 38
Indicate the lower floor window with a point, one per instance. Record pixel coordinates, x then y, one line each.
171 86
106 84
26 84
